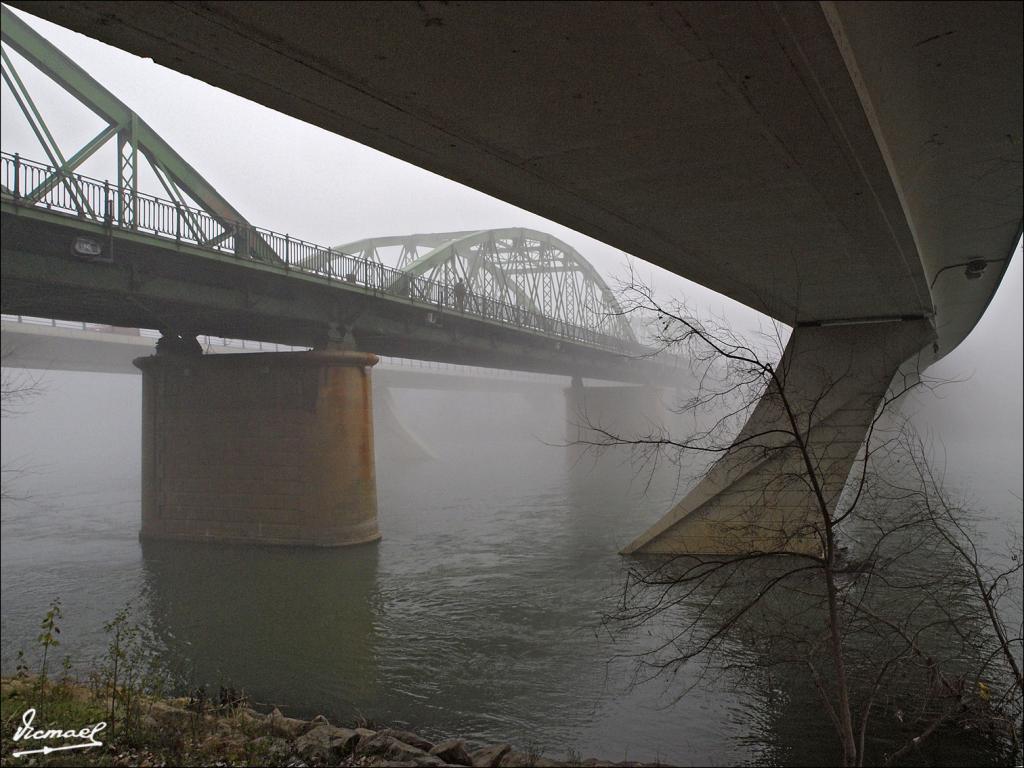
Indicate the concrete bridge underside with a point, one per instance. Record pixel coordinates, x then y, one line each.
825 163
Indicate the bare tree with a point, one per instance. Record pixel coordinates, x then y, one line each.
983 589
874 589
18 388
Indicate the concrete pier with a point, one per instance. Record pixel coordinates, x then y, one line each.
265 448
758 496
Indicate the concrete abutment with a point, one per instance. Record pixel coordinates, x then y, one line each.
263 448
758 496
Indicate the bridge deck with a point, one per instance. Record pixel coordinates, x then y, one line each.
145 279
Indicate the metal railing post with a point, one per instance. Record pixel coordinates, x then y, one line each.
108 214
17 176
287 251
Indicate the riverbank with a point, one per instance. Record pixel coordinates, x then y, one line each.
69 723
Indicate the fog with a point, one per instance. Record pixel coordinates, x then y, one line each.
293 177
489 523
973 420
84 428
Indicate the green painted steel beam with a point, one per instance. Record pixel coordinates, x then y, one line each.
573 262
79 84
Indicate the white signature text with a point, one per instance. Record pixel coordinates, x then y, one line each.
27 732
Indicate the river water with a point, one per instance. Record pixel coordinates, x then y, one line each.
478 614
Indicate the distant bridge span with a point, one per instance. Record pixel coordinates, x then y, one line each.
38 344
850 169
521 267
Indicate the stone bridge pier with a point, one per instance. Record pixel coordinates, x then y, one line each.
263 448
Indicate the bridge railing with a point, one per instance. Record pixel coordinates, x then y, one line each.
42 186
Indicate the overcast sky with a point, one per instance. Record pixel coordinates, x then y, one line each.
292 177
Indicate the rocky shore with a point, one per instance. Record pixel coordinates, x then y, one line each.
191 731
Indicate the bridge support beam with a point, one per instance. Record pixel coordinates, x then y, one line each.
757 497
264 448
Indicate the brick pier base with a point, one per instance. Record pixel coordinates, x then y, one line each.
266 448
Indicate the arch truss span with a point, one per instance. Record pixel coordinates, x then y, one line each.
397 250
522 268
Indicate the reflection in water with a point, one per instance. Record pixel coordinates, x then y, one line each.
478 614
719 616
264 617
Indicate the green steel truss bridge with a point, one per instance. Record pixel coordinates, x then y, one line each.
187 262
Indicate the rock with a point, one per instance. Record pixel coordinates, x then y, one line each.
287 727
452 751
372 745
313 752
515 759
399 750
408 737
365 733
389 747
490 757
325 743
343 740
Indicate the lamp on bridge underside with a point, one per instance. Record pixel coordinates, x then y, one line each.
88 249
975 268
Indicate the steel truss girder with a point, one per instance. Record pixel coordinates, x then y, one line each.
523 267
134 137
410 246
